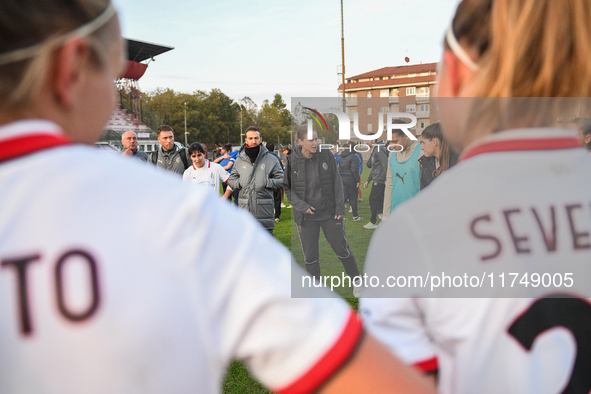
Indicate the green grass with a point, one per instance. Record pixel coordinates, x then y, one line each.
238 379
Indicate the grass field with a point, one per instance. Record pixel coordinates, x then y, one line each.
238 379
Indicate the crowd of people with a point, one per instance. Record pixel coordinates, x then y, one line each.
99 296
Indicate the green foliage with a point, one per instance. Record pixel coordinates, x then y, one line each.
213 117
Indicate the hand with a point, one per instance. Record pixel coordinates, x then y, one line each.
357 185
226 156
127 152
338 217
310 211
365 184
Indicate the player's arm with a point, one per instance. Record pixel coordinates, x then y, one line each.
373 369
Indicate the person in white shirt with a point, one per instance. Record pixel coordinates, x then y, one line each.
518 202
205 172
99 295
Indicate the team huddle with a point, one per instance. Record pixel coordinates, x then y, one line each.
98 296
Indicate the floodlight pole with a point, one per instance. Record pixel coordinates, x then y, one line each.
186 123
343 56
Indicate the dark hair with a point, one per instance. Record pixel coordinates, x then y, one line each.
227 147
252 128
163 128
287 149
583 124
434 131
196 147
270 146
398 131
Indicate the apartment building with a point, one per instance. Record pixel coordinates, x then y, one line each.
391 89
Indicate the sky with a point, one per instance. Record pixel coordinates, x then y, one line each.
258 48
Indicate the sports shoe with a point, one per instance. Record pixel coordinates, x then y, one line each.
357 290
283 205
380 216
350 209
357 218
277 220
360 200
370 225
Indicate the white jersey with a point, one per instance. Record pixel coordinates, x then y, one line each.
210 174
520 199
97 296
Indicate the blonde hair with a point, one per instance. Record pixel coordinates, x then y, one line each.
528 48
44 23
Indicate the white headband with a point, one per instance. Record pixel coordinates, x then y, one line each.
457 49
86 29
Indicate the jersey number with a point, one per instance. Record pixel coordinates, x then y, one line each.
571 313
20 266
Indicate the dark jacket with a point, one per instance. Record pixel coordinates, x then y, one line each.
296 184
428 166
378 162
172 159
349 166
256 182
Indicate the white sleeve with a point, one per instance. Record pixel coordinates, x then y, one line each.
288 343
397 322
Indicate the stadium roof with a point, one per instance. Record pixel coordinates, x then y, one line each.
139 51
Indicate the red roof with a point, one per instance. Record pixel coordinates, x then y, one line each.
387 71
387 82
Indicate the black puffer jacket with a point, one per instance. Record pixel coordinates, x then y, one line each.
349 166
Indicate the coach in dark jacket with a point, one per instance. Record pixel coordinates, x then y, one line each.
349 169
313 186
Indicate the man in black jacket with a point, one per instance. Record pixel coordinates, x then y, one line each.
314 188
378 162
349 169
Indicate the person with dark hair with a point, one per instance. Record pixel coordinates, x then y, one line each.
349 170
277 193
314 188
169 156
583 126
257 173
226 159
378 162
438 155
205 172
403 176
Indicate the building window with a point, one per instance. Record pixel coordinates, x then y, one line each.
411 108
369 127
424 92
384 109
424 107
394 92
352 111
369 93
411 91
384 92
369 110
142 148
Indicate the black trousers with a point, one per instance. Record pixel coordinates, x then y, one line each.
350 191
277 202
334 232
376 200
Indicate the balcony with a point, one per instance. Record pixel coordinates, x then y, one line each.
351 101
422 98
422 114
394 100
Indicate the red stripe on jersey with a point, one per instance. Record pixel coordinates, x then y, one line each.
520 145
19 146
334 358
427 366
